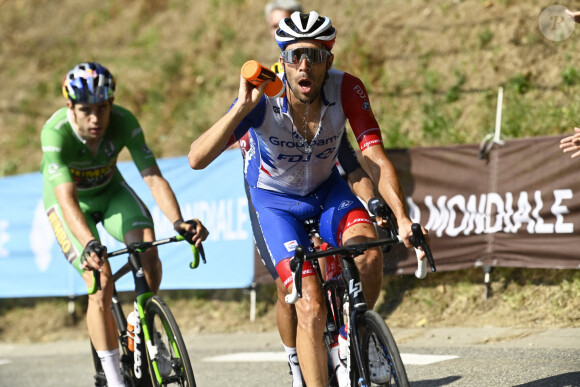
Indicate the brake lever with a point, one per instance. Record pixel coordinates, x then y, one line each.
97 275
379 208
418 240
202 253
296 264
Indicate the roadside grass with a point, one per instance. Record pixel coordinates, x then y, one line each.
176 65
517 298
520 298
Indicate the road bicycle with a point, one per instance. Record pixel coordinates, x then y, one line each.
154 354
368 352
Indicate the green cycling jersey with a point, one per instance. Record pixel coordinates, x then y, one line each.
66 157
101 187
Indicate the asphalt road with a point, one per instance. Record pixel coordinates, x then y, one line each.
433 357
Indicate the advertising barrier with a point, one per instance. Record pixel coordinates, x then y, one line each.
34 266
518 207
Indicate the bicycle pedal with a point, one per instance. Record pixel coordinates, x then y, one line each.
100 379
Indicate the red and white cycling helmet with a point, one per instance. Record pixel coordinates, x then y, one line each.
305 26
88 82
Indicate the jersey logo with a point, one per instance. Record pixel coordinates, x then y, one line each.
145 149
51 148
357 89
291 245
265 155
109 148
52 168
135 132
366 105
326 154
66 245
345 204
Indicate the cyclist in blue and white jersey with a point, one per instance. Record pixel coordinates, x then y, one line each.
290 168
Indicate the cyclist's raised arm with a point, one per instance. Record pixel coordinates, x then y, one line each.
218 137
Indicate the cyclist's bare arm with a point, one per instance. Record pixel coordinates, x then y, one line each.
384 174
211 143
361 184
363 187
167 202
67 196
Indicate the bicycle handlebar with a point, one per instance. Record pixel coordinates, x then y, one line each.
141 247
380 208
418 240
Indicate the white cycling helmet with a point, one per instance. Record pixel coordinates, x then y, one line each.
305 26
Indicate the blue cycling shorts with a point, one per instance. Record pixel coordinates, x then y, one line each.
281 216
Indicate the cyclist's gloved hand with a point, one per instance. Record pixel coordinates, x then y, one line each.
93 255
192 230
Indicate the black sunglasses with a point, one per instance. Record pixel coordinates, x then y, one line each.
312 55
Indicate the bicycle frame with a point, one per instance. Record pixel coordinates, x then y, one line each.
142 294
352 283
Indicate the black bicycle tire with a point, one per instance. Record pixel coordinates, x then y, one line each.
370 323
155 306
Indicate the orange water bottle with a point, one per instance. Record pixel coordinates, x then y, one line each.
256 74
131 331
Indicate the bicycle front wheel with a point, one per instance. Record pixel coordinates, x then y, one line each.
380 355
168 359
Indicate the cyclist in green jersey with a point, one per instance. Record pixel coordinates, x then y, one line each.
82 186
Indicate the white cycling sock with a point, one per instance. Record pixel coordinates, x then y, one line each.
294 366
110 363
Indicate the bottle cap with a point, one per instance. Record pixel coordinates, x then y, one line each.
256 74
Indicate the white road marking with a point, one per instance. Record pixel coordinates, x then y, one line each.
4 361
416 359
250 357
408 358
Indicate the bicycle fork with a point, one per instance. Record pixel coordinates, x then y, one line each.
358 305
143 293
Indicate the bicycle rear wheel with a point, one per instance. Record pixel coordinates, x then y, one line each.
380 355
168 360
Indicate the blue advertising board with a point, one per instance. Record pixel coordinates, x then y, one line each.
32 264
